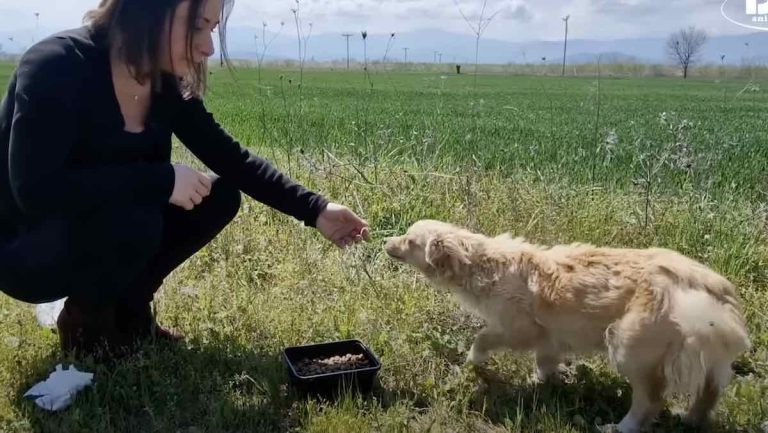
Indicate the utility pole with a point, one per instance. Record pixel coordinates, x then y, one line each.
565 45
406 55
440 58
347 36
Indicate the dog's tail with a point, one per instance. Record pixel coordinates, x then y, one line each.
713 335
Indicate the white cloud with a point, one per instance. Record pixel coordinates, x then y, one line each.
518 19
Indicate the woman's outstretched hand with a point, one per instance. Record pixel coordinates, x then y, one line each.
341 226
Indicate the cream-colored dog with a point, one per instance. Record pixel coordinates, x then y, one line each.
668 323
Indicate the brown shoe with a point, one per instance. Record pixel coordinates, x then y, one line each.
136 320
88 330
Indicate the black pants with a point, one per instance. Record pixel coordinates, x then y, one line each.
111 255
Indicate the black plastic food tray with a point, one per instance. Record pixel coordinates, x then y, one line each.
332 384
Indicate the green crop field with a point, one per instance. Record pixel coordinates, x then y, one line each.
612 161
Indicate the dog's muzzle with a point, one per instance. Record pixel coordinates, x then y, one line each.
391 248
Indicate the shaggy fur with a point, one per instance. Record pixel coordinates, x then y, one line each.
668 323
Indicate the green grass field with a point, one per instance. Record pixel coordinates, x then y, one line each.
620 162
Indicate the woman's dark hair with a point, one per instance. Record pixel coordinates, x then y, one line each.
136 26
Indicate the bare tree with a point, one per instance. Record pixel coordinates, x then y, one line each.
684 47
479 27
302 39
265 42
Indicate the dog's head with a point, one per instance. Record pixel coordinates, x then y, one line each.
437 249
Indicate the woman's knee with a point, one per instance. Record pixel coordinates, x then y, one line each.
225 198
59 256
35 267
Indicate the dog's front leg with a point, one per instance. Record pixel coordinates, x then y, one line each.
523 335
548 362
485 342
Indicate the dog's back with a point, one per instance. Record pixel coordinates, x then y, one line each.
671 269
582 276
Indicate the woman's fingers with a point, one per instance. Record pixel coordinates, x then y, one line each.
200 189
205 185
196 198
351 238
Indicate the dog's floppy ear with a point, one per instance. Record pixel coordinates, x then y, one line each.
448 253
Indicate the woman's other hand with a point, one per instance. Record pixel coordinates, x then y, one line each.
342 226
190 187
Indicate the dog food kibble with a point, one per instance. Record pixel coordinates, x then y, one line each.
334 364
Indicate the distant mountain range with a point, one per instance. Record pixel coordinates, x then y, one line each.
459 48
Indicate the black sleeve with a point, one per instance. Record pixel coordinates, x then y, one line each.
253 175
43 131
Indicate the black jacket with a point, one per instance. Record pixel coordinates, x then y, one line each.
65 150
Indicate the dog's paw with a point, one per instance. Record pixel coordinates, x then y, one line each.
627 425
547 377
487 375
476 357
534 379
555 375
701 423
616 428
480 385
609 428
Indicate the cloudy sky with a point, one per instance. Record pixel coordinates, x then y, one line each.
517 20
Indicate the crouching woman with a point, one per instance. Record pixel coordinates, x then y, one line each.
91 207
